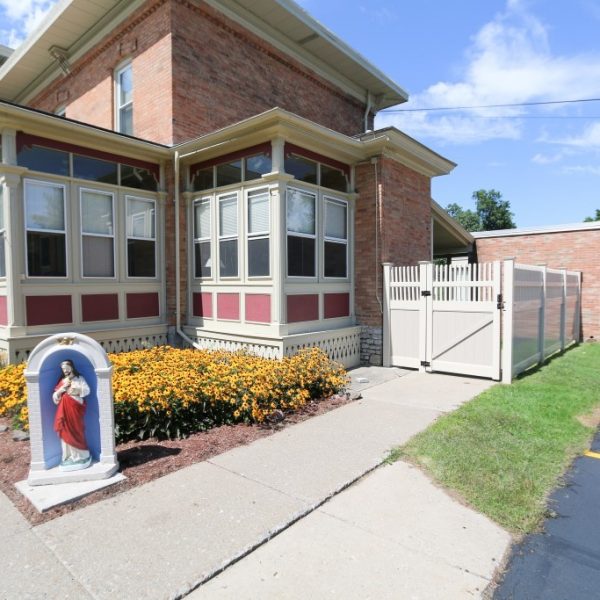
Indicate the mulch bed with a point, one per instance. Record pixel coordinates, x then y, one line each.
142 462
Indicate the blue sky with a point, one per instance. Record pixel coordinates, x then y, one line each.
544 159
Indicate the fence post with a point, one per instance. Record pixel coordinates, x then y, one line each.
387 350
541 332
507 320
424 317
563 311
496 333
578 311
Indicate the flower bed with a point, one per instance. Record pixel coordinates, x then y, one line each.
166 392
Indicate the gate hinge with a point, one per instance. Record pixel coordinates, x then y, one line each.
425 363
500 302
425 293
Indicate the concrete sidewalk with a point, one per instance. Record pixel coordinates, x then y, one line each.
212 527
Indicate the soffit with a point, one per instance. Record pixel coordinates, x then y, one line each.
70 25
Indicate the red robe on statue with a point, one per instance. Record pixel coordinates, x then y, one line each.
68 422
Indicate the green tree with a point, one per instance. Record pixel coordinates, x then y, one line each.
491 212
594 218
466 217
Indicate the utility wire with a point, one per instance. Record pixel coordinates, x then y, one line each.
514 105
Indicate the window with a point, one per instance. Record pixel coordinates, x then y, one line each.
258 233
301 233
335 245
124 99
228 236
138 177
230 172
97 234
334 179
45 229
203 179
95 169
141 237
47 160
301 168
256 166
202 238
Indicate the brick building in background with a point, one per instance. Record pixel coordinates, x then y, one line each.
575 247
207 170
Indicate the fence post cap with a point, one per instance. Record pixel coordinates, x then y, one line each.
387 264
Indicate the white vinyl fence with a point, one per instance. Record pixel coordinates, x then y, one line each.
540 317
448 317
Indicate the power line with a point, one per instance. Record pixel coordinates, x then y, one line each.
514 105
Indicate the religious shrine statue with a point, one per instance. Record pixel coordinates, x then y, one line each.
69 395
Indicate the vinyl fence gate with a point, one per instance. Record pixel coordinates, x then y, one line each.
443 318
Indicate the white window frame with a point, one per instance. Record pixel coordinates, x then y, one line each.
26 184
132 237
226 238
314 236
258 235
327 238
197 240
100 235
118 106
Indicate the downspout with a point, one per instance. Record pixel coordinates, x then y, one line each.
374 162
177 259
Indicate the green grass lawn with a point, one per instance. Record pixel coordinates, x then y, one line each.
506 450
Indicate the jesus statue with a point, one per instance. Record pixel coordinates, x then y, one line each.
69 395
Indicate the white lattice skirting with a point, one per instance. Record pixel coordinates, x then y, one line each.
341 345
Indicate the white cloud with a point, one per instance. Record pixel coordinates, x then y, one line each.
18 18
589 138
509 61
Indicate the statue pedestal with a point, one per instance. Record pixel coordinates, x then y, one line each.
45 497
94 472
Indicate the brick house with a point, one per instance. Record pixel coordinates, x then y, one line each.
208 170
574 247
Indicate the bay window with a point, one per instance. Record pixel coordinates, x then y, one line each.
141 237
228 235
202 238
97 234
301 233
258 233
45 225
335 242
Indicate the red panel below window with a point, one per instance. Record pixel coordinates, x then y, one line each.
142 305
203 305
48 310
336 305
258 308
3 310
99 307
228 306
303 307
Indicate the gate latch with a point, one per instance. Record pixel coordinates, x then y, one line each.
425 293
425 363
500 304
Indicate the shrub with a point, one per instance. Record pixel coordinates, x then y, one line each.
165 392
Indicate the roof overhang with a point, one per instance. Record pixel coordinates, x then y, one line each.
449 236
73 27
303 132
42 124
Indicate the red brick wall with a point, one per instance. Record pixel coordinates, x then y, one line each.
405 229
574 250
194 71
223 74
88 91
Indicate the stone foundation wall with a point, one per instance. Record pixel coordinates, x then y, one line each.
371 345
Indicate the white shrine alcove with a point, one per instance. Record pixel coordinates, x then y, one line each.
42 374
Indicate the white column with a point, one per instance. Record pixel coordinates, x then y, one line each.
277 155
9 146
